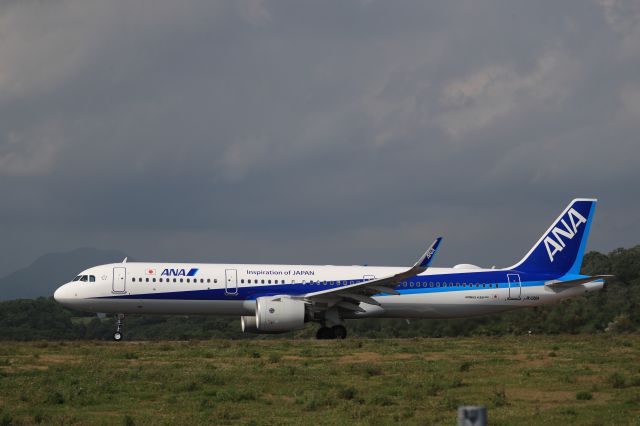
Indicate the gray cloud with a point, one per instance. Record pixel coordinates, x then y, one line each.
330 132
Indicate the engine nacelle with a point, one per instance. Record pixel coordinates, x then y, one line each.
275 314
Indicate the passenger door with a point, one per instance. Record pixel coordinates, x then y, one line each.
515 286
119 284
231 281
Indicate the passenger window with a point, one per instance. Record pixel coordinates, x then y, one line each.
241 281
154 280
146 279
215 281
133 280
208 280
269 281
181 280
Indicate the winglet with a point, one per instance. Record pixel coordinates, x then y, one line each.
425 261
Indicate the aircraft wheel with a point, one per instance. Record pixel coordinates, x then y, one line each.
339 332
324 333
117 336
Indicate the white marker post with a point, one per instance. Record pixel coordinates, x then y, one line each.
469 415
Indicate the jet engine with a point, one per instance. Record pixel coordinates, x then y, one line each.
275 314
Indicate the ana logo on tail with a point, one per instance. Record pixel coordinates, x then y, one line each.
554 242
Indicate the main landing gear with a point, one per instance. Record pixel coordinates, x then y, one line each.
117 336
335 332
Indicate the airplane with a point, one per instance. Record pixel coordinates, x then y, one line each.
281 298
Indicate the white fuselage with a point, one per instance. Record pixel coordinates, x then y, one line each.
231 289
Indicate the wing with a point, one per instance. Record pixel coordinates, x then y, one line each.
555 284
349 297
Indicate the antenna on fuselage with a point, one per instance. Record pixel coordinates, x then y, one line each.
125 260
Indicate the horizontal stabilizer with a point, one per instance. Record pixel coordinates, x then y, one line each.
574 283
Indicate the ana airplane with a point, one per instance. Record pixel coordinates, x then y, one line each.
281 298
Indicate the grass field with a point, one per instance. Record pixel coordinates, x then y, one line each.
522 380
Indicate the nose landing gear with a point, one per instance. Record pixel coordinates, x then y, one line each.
117 336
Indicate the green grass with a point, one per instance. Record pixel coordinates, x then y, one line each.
587 380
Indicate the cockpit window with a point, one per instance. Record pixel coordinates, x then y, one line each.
92 278
84 278
77 278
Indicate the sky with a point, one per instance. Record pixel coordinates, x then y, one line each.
326 132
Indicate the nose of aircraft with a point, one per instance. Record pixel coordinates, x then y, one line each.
64 294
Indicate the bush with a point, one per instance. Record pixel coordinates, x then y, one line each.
499 398
6 419
347 393
465 366
55 398
584 396
617 380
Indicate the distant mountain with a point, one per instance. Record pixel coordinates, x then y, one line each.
48 272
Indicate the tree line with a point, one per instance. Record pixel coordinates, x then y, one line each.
614 310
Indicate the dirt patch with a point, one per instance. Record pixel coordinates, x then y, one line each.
293 358
58 359
373 357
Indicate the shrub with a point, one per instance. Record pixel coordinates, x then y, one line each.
347 393
499 398
584 396
617 380
6 419
55 398
371 371
465 366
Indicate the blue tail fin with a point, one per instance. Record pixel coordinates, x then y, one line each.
559 251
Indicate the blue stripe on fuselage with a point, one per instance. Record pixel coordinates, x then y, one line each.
253 292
